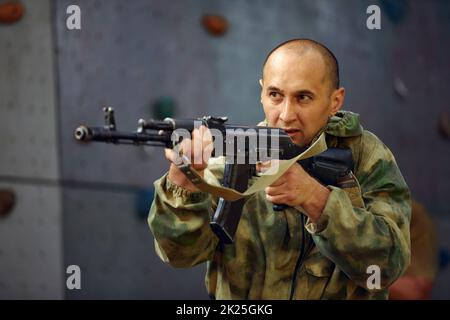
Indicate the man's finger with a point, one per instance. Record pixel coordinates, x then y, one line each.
207 151
183 148
197 146
262 167
273 191
278 199
207 143
169 154
280 181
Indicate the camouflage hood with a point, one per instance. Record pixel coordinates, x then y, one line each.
344 124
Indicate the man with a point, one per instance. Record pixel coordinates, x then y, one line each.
277 255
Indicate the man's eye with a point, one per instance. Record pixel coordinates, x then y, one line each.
304 98
274 94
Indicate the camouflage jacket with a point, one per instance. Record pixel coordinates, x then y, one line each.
364 225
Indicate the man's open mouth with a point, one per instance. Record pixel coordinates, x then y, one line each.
291 131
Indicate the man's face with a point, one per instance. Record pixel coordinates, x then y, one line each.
297 96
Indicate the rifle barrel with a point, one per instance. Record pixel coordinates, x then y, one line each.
85 134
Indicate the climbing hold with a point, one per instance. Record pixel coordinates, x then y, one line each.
7 201
164 107
395 9
216 25
444 125
11 11
400 88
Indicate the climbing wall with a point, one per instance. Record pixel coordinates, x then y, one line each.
128 55
87 204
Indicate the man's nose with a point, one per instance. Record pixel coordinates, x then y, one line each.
289 112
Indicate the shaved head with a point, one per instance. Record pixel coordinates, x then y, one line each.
301 47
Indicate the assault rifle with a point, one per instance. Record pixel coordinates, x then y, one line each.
242 147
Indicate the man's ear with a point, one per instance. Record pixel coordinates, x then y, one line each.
261 84
337 100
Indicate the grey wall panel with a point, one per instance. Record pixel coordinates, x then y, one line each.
31 257
27 95
31 253
114 248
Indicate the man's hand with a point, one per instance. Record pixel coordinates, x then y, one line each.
297 188
197 150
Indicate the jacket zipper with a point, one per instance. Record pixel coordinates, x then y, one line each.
300 257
